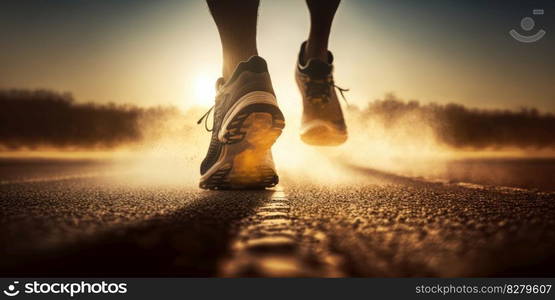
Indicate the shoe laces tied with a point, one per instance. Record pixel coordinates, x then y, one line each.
205 118
319 88
341 91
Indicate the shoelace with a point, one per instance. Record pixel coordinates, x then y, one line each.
321 87
341 90
205 118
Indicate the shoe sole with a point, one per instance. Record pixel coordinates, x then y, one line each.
323 134
245 161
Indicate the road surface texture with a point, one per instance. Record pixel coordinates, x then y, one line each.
56 223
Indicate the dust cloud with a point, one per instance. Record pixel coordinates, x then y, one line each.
165 145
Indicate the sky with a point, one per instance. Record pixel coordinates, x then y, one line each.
167 52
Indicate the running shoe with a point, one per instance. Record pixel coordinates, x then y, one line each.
322 121
247 122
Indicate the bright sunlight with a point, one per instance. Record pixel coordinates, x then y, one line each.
205 91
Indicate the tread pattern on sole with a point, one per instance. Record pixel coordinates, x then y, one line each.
250 136
236 131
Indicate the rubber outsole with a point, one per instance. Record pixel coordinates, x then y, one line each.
246 159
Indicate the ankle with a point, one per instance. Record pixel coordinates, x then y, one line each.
231 62
315 51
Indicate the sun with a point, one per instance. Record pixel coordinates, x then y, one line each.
204 90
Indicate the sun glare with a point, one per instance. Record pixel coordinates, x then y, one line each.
204 90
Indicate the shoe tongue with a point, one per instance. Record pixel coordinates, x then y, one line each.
317 69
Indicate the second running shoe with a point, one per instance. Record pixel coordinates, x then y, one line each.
322 122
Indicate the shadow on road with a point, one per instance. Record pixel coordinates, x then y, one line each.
187 242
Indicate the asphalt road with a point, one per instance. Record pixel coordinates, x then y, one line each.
382 225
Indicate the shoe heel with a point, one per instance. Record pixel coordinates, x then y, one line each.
254 122
248 156
253 166
254 102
